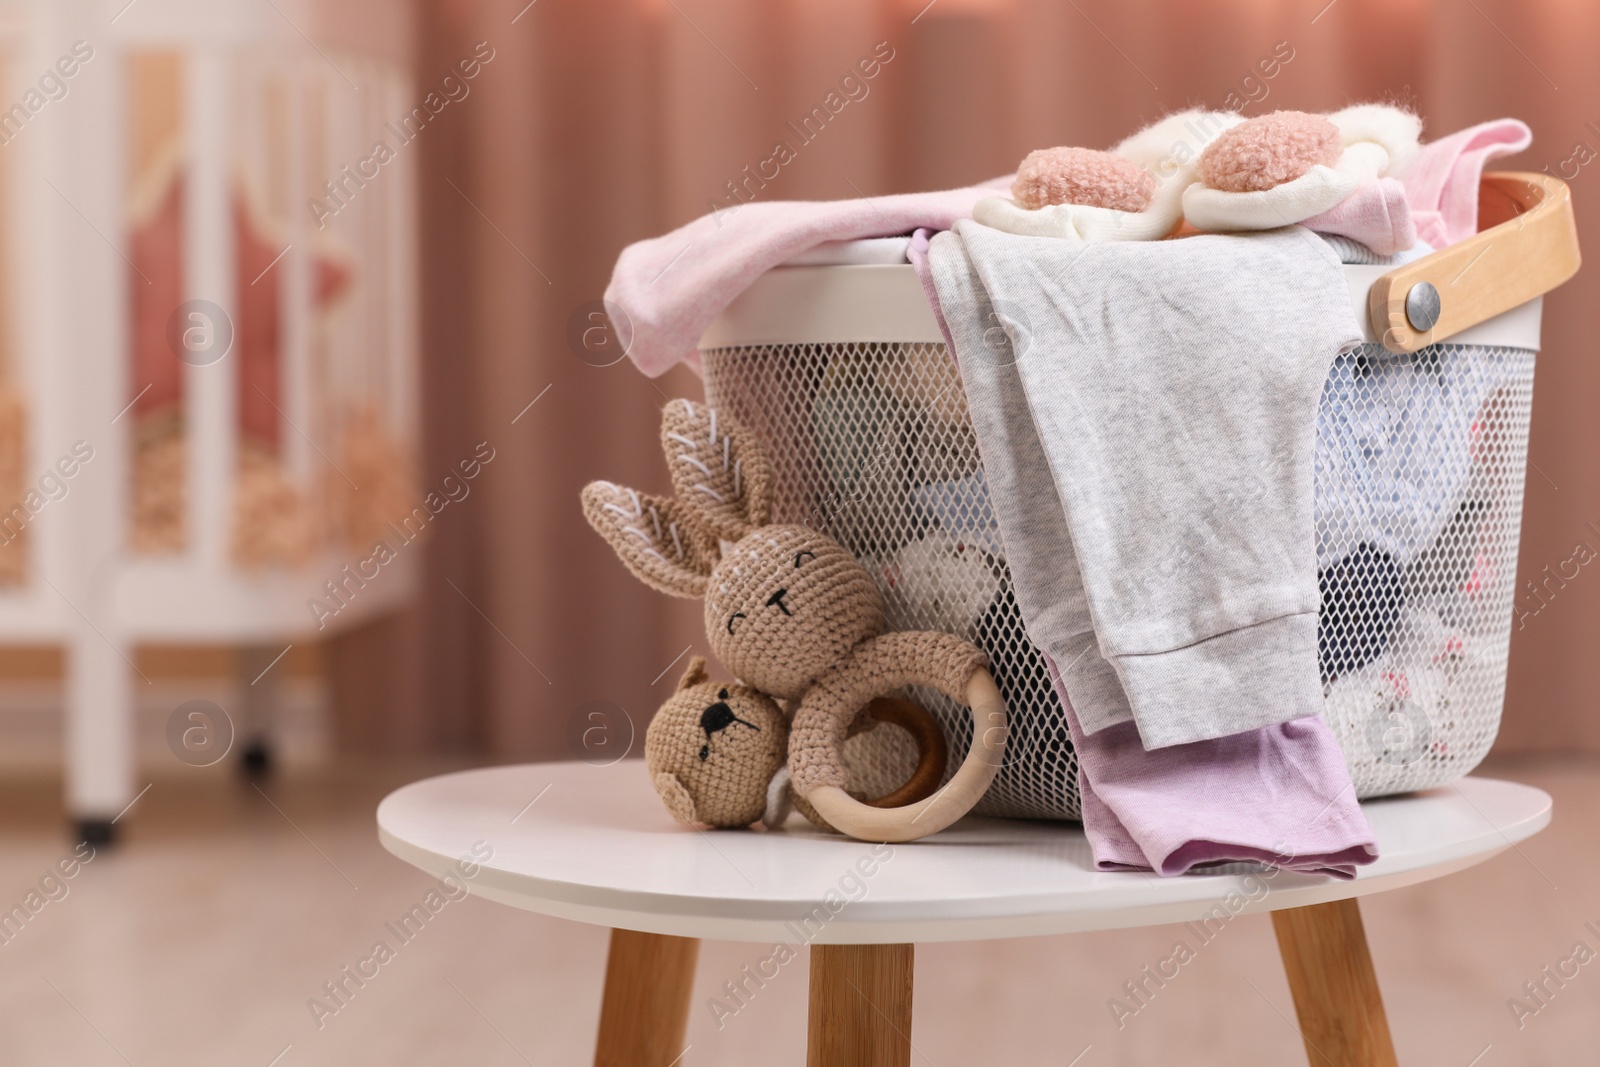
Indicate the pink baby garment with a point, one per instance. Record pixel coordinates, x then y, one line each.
917 254
1437 199
1442 184
1377 215
664 292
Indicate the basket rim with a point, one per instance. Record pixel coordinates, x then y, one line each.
865 302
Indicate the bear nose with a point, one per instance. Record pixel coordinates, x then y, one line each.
776 601
716 717
720 716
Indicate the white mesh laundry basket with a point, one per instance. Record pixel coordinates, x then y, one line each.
835 363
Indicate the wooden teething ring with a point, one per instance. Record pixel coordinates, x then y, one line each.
932 814
932 752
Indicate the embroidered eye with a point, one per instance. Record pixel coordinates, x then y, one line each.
735 615
802 556
705 751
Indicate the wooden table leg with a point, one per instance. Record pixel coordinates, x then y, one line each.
1324 949
649 978
860 1013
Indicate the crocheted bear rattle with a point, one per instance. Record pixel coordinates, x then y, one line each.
717 752
796 617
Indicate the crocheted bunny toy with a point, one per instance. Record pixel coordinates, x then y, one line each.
795 616
717 753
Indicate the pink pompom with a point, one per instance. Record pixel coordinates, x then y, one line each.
1265 152
1082 176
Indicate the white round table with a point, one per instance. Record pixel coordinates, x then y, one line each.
595 844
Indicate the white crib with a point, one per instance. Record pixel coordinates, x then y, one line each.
249 107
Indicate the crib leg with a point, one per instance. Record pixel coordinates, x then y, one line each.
98 710
259 675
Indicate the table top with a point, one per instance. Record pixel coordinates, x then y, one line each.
595 845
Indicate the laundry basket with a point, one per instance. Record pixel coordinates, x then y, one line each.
835 362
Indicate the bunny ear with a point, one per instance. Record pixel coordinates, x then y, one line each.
665 547
718 470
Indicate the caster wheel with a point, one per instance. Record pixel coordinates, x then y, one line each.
99 833
256 759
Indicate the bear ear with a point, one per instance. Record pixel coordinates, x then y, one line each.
675 796
694 675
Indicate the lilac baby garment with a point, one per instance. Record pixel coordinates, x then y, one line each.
1279 795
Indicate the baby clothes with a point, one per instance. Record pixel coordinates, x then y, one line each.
1146 429
1377 141
1393 444
1442 185
940 583
1279 795
664 292
1403 709
917 254
1168 149
1436 200
962 509
1377 215
1046 584
1353 251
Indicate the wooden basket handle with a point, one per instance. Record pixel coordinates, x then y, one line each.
1526 246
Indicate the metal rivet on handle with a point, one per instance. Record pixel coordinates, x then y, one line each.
1422 306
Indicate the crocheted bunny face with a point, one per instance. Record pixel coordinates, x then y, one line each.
713 748
783 603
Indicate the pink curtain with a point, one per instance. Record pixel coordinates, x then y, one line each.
603 122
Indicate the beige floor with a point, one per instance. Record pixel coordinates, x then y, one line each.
202 940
